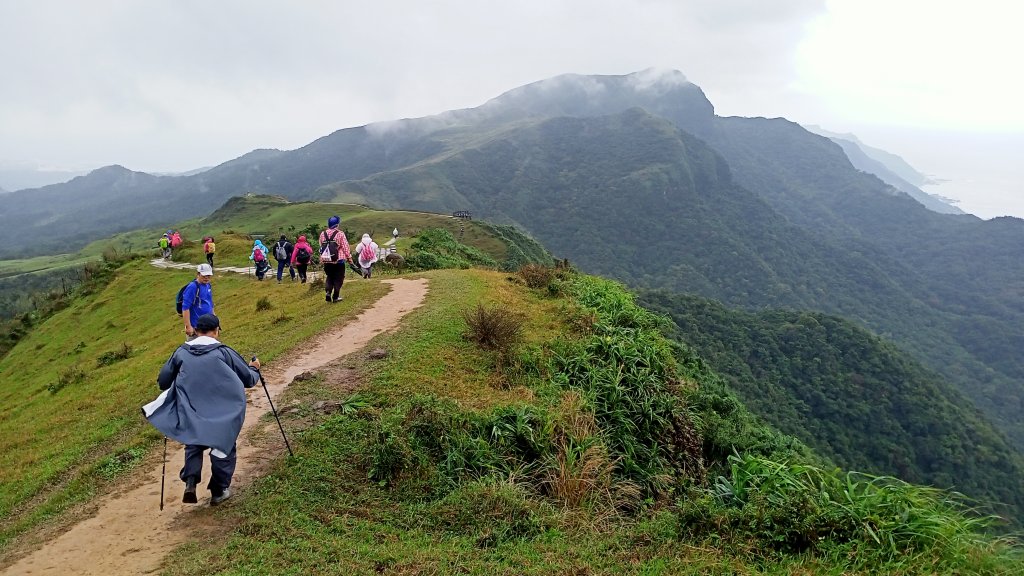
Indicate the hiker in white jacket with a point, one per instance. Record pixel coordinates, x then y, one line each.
367 251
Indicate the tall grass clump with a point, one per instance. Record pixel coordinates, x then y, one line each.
765 507
494 328
264 304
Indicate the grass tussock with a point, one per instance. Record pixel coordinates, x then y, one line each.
121 353
263 304
67 377
494 328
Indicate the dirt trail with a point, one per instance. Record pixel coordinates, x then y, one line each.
129 535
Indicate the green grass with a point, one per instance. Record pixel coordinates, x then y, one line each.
52 441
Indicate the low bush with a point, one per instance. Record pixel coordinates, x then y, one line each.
263 303
537 276
494 328
108 358
68 377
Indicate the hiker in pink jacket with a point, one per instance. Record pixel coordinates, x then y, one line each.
301 255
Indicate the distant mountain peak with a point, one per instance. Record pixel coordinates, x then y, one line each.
112 169
655 81
657 78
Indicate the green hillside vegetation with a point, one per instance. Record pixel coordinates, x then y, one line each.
589 444
852 397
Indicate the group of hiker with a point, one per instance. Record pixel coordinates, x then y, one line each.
202 400
170 240
334 255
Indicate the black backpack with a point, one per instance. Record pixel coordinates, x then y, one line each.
303 256
181 293
329 250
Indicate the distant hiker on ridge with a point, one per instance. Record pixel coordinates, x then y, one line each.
203 406
302 253
165 246
209 248
334 253
283 254
197 299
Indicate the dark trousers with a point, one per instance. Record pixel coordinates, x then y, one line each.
280 269
209 258
221 469
261 269
335 277
301 268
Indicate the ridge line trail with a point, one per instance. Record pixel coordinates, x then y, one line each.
129 535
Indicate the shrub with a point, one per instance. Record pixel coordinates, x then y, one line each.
263 304
108 358
537 276
389 455
120 462
68 377
495 328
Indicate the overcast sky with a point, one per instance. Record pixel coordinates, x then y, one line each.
180 84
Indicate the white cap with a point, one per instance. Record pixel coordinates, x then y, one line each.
205 270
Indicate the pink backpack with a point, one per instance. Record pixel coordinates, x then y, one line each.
257 255
366 252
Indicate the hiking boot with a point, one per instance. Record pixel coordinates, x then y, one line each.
190 492
327 298
218 498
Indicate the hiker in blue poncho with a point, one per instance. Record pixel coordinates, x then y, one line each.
259 256
203 406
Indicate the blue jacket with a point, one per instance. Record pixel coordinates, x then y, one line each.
258 244
203 398
203 306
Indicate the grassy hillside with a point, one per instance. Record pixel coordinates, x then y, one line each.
591 445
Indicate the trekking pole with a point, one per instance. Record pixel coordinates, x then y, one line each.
163 476
274 410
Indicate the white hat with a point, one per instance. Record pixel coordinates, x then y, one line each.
205 270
